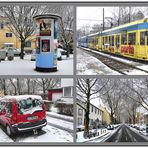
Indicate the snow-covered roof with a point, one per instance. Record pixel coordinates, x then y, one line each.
22 97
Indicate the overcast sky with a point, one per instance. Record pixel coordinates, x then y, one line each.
94 15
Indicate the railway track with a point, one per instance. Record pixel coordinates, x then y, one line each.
116 65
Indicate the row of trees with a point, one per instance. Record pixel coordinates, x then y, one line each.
19 19
20 86
119 16
121 96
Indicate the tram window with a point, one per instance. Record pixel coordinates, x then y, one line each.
124 38
132 38
103 40
117 40
112 40
142 38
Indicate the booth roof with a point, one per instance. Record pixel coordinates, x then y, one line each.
42 16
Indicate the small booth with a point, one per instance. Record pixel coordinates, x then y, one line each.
46 42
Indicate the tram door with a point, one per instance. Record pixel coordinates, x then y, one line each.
142 44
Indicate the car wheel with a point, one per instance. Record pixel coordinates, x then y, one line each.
8 129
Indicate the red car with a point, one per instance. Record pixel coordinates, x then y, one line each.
22 113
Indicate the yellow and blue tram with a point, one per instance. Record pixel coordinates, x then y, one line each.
129 40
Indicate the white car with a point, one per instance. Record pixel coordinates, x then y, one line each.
33 55
60 50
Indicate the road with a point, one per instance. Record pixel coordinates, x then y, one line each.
126 134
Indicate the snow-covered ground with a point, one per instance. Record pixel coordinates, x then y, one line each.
87 64
49 133
59 122
27 67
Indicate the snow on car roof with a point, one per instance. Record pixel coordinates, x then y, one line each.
22 97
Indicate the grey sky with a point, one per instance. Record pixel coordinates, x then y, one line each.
94 15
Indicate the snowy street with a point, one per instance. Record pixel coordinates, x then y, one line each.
56 132
27 67
122 133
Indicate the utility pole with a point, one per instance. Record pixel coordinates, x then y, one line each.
119 17
103 20
129 14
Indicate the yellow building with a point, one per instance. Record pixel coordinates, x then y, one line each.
106 116
8 39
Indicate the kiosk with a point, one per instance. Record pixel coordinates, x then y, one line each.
46 42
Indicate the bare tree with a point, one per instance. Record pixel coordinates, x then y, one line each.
47 83
19 21
87 89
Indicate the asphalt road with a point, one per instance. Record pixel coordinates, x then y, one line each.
126 134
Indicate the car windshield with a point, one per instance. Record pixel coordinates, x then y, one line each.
29 105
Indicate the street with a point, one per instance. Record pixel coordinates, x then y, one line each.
126 134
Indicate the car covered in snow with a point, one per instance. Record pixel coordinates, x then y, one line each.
22 113
110 127
33 55
80 128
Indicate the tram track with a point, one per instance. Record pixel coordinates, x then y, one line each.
116 65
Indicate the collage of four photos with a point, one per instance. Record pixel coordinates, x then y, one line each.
73 73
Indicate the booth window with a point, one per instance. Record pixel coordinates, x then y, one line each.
45 45
67 92
132 38
124 37
9 34
28 44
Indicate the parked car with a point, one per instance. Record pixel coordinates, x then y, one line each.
15 50
33 55
60 53
142 127
110 127
22 113
80 128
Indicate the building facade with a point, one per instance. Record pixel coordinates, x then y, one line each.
8 39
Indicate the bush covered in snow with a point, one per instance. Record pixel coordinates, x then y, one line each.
66 109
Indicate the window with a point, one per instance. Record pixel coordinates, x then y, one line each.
91 108
9 34
28 44
80 111
124 37
103 40
142 38
95 110
106 40
9 107
29 104
112 41
132 38
2 106
79 121
117 40
1 25
67 92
